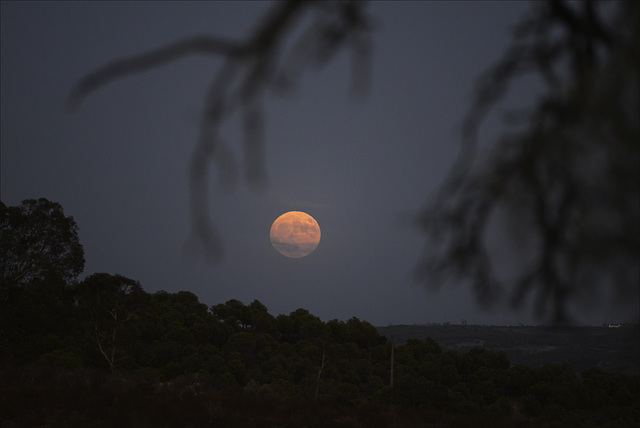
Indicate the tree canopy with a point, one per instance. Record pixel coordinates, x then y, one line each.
62 338
37 242
171 345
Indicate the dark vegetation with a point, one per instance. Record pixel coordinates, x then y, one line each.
612 349
102 352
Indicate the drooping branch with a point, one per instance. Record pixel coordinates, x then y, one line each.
562 175
205 45
249 68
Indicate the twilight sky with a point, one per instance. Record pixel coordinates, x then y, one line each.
119 164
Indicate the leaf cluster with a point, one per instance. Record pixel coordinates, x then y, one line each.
37 242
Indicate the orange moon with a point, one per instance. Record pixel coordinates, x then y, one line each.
295 234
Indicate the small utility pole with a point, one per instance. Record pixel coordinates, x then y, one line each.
319 374
392 350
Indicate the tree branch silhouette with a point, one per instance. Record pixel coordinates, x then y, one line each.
566 174
250 67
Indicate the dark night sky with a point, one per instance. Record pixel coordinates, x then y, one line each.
119 164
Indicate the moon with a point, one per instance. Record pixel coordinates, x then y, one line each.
295 234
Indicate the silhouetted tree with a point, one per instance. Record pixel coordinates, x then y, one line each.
564 180
109 303
40 253
38 242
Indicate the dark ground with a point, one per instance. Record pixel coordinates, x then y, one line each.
614 350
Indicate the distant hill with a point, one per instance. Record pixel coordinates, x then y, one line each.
614 350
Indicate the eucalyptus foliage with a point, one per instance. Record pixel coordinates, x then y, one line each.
37 242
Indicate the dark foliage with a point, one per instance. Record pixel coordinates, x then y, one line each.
38 242
615 350
40 253
563 180
103 352
118 356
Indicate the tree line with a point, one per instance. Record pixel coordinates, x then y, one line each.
109 324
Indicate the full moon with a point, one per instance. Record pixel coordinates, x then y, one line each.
295 234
